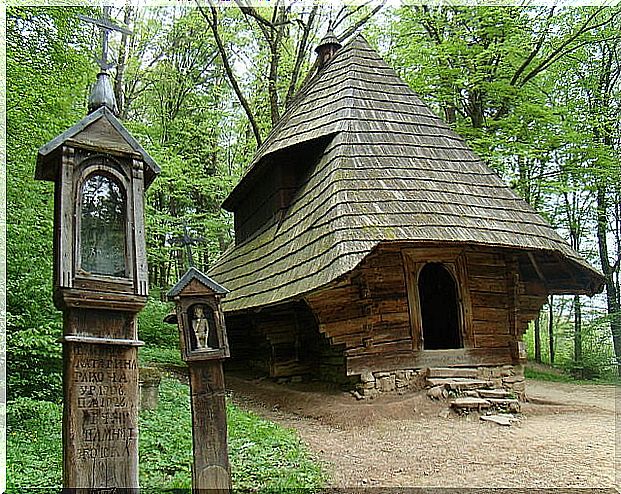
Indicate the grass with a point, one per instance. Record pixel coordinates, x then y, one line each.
263 455
542 375
160 356
540 372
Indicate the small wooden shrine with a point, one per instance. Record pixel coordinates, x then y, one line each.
100 174
369 239
204 346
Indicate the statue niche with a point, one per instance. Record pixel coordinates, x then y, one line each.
203 324
103 226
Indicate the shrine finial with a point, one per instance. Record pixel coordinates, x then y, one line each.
102 93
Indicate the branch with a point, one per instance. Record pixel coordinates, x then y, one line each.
362 21
564 47
264 25
300 54
338 20
534 51
213 24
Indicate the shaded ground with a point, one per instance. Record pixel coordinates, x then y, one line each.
565 436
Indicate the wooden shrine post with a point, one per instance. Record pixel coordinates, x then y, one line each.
100 283
204 346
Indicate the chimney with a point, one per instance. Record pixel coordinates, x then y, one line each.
327 48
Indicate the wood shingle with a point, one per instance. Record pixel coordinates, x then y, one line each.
391 171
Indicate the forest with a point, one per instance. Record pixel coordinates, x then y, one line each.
536 91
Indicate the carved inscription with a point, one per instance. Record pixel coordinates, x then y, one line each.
105 388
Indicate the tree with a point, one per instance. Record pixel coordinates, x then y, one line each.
284 33
48 71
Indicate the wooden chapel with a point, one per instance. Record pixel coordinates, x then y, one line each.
370 240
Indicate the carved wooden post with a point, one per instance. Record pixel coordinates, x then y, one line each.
100 284
204 346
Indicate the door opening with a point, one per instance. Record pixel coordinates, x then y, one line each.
439 304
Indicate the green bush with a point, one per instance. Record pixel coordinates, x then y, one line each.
34 445
151 326
263 455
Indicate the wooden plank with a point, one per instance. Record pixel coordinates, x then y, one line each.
100 417
492 340
488 284
381 348
489 258
483 271
64 249
490 327
485 299
491 314
428 358
340 328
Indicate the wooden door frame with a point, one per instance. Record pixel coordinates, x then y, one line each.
454 260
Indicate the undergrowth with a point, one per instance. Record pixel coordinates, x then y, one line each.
263 455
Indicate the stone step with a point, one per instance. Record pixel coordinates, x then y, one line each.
453 372
494 393
470 403
508 403
506 420
458 384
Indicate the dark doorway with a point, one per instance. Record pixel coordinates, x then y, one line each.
439 308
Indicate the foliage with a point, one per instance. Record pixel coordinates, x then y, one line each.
160 356
267 456
598 355
47 69
34 445
542 375
534 90
151 327
263 455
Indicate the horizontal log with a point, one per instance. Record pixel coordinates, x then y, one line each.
428 358
385 259
339 328
486 259
486 284
290 368
483 299
490 327
381 348
485 271
492 341
491 314
389 303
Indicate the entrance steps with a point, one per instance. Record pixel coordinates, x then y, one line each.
466 392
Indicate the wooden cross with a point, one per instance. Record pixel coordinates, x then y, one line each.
106 25
187 241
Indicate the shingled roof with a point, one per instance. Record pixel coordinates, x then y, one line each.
392 170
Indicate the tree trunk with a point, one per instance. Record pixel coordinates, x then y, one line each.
121 65
612 298
538 339
551 328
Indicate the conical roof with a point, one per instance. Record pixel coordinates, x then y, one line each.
392 171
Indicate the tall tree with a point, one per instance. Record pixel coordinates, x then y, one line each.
49 68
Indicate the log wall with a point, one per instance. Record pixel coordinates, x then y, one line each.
363 322
369 314
284 341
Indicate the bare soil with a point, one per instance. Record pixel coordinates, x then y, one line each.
565 437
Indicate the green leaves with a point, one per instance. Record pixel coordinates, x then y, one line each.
47 73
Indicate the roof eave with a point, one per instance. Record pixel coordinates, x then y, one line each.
43 172
195 274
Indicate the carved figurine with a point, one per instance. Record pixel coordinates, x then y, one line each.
201 327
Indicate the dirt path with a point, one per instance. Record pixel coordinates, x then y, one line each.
409 441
